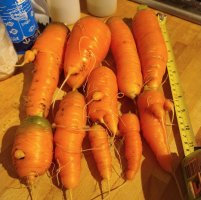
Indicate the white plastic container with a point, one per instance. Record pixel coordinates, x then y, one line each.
65 11
8 55
101 8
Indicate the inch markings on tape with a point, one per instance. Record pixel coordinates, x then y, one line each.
185 128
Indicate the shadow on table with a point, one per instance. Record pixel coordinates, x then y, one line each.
156 183
28 71
6 148
90 161
8 138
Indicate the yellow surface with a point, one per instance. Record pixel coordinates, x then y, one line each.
151 182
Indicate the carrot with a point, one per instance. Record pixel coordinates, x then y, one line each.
129 76
151 47
47 54
129 128
152 107
98 138
102 98
87 46
70 121
32 150
50 41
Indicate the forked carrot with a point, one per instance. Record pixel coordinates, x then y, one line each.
102 102
129 128
87 46
152 110
32 150
124 51
70 122
151 47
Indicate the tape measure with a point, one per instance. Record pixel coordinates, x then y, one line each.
186 132
191 164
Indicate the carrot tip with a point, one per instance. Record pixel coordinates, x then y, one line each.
29 56
30 179
130 174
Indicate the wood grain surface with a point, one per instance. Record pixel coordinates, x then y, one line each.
151 182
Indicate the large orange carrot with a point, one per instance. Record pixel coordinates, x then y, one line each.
98 138
129 76
151 47
87 46
152 106
47 54
70 122
129 128
102 93
33 148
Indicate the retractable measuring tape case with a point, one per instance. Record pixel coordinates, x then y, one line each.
191 164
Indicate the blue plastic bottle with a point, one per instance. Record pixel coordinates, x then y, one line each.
18 17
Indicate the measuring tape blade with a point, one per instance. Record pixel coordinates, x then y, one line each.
185 128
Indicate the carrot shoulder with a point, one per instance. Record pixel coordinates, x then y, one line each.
151 47
102 102
152 106
48 60
129 76
87 46
70 121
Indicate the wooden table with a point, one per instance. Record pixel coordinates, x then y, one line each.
151 182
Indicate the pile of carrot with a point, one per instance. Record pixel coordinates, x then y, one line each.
140 55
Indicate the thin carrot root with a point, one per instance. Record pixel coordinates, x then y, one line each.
58 92
111 190
108 188
169 106
97 96
30 190
120 95
111 129
70 194
118 154
29 56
